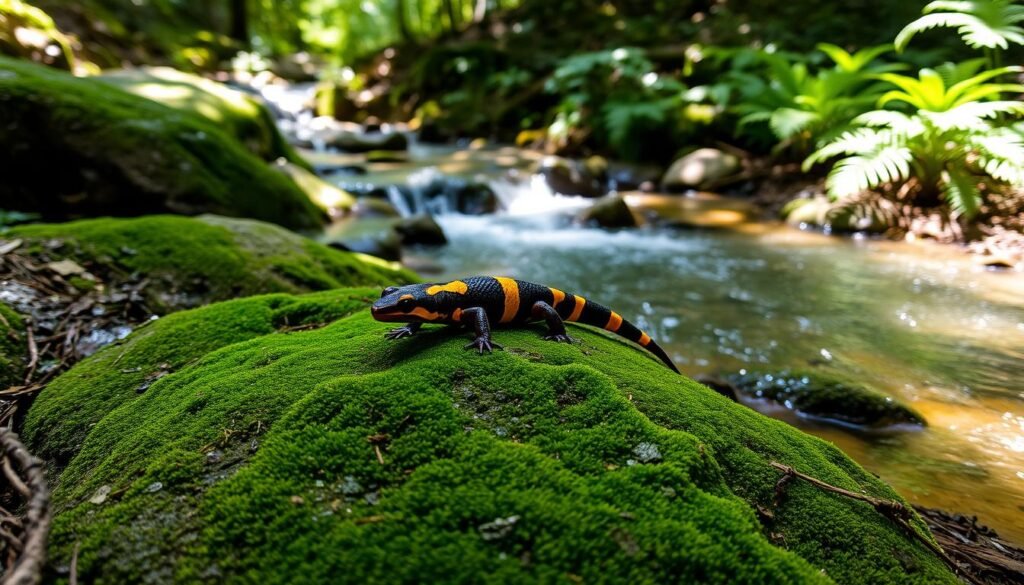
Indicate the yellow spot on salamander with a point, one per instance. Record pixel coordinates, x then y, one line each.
577 310
614 322
644 339
403 297
456 286
511 290
457 315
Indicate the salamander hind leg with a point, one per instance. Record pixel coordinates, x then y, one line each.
556 327
476 318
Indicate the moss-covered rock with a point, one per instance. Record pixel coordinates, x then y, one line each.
827 397
193 261
336 455
235 112
77 147
13 347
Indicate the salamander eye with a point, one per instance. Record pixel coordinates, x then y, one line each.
406 305
388 290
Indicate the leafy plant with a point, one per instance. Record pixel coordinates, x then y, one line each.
802 107
983 24
618 94
951 142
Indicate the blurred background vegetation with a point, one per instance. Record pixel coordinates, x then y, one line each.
870 92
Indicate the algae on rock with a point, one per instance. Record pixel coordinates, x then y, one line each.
77 147
334 454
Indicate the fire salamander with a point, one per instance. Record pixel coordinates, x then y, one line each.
481 300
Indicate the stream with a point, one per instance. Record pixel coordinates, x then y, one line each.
921 323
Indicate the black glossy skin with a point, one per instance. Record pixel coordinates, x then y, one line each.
478 301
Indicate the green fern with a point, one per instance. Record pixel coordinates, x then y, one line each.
983 24
952 143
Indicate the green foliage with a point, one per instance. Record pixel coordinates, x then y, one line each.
18 18
619 94
951 142
330 453
801 106
983 24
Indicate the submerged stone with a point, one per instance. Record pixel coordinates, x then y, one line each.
824 396
379 461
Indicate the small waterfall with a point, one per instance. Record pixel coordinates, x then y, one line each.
535 197
397 199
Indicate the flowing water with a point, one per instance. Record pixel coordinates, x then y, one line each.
921 323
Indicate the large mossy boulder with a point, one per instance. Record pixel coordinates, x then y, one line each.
184 262
216 445
235 112
79 147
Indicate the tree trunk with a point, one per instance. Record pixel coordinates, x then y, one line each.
240 22
480 11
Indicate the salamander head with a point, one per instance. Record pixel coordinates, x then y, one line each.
407 304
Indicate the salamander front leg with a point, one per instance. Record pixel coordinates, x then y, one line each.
476 318
403 331
556 328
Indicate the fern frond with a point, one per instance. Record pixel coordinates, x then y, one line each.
862 172
853 142
787 122
930 21
960 190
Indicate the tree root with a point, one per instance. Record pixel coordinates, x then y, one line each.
23 536
894 511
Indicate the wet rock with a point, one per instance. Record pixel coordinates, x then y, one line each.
475 199
568 177
701 169
609 211
386 245
420 229
357 141
387 156
374 207
629 177
826 397
836 217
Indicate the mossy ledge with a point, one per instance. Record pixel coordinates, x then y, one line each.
192 261
80 147
335 455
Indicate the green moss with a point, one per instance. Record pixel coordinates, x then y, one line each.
13 347
80 147
234 111
334 454
193 261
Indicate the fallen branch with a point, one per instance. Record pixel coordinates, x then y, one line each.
27 547
891 509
